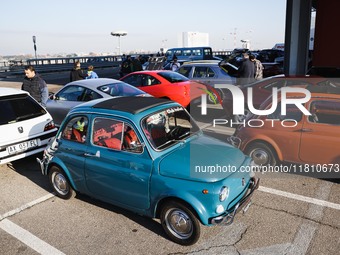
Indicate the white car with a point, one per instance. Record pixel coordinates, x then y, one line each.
25 126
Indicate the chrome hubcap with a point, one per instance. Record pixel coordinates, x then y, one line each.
260 156
179 223
60 183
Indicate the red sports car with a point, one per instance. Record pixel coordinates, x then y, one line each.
170 85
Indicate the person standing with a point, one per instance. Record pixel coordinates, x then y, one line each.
175 65
258 67
90 73
246 71
126 67
35 85
137 65
76 73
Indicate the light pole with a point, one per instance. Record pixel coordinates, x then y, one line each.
119 34
35 48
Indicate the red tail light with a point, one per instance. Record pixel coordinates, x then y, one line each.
49 126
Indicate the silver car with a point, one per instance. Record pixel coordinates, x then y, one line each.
209 72
77 92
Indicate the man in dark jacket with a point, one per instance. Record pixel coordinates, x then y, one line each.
35 85
246 71
76 73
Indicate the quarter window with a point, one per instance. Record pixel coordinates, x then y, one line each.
76 129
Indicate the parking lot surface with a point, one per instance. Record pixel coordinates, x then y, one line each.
290 214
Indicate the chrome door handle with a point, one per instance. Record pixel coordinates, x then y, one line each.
306 130
97 155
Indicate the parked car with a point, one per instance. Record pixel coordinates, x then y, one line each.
77 92
269 55
210 72
25 126
168 84
149 156
302 139
263 89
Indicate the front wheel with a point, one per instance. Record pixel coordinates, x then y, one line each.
180 224
262 154
60 183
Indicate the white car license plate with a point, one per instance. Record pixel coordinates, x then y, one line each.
24 146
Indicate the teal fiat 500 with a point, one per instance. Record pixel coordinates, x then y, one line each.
149 156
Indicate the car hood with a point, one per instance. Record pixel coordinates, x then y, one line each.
193 159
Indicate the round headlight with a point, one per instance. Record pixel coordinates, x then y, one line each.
224 193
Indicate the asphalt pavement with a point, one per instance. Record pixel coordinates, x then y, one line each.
290 214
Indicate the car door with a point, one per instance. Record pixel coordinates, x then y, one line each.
72 146
320 140
113 172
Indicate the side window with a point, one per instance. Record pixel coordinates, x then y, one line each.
292 113
325 112
148 80
71 93
131 142
76 129
200 72
186 52
107 133
90 95
197 52
185 70
134 80
210 72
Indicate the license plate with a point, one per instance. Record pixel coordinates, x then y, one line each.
24 146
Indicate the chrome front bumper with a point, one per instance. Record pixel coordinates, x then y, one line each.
244 203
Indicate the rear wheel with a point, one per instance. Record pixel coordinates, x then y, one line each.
262 154
180 224
60 183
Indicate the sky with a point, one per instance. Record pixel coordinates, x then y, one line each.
72 26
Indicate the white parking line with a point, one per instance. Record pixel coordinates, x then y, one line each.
25 206
300 198
44 248
29 239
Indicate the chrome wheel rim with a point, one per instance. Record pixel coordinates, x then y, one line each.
60 183
179 223
260 156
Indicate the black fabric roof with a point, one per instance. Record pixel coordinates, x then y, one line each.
131 104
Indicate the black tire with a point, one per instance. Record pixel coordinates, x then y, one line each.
180 223
262 154
60 183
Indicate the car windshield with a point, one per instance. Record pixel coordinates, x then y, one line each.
120 89
168 127
173 77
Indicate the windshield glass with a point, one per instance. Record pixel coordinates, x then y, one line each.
169 126
173 77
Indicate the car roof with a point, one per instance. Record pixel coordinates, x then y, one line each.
11 91
132 105
324 89
202 62
93 82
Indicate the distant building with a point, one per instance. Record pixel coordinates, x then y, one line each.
193 39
